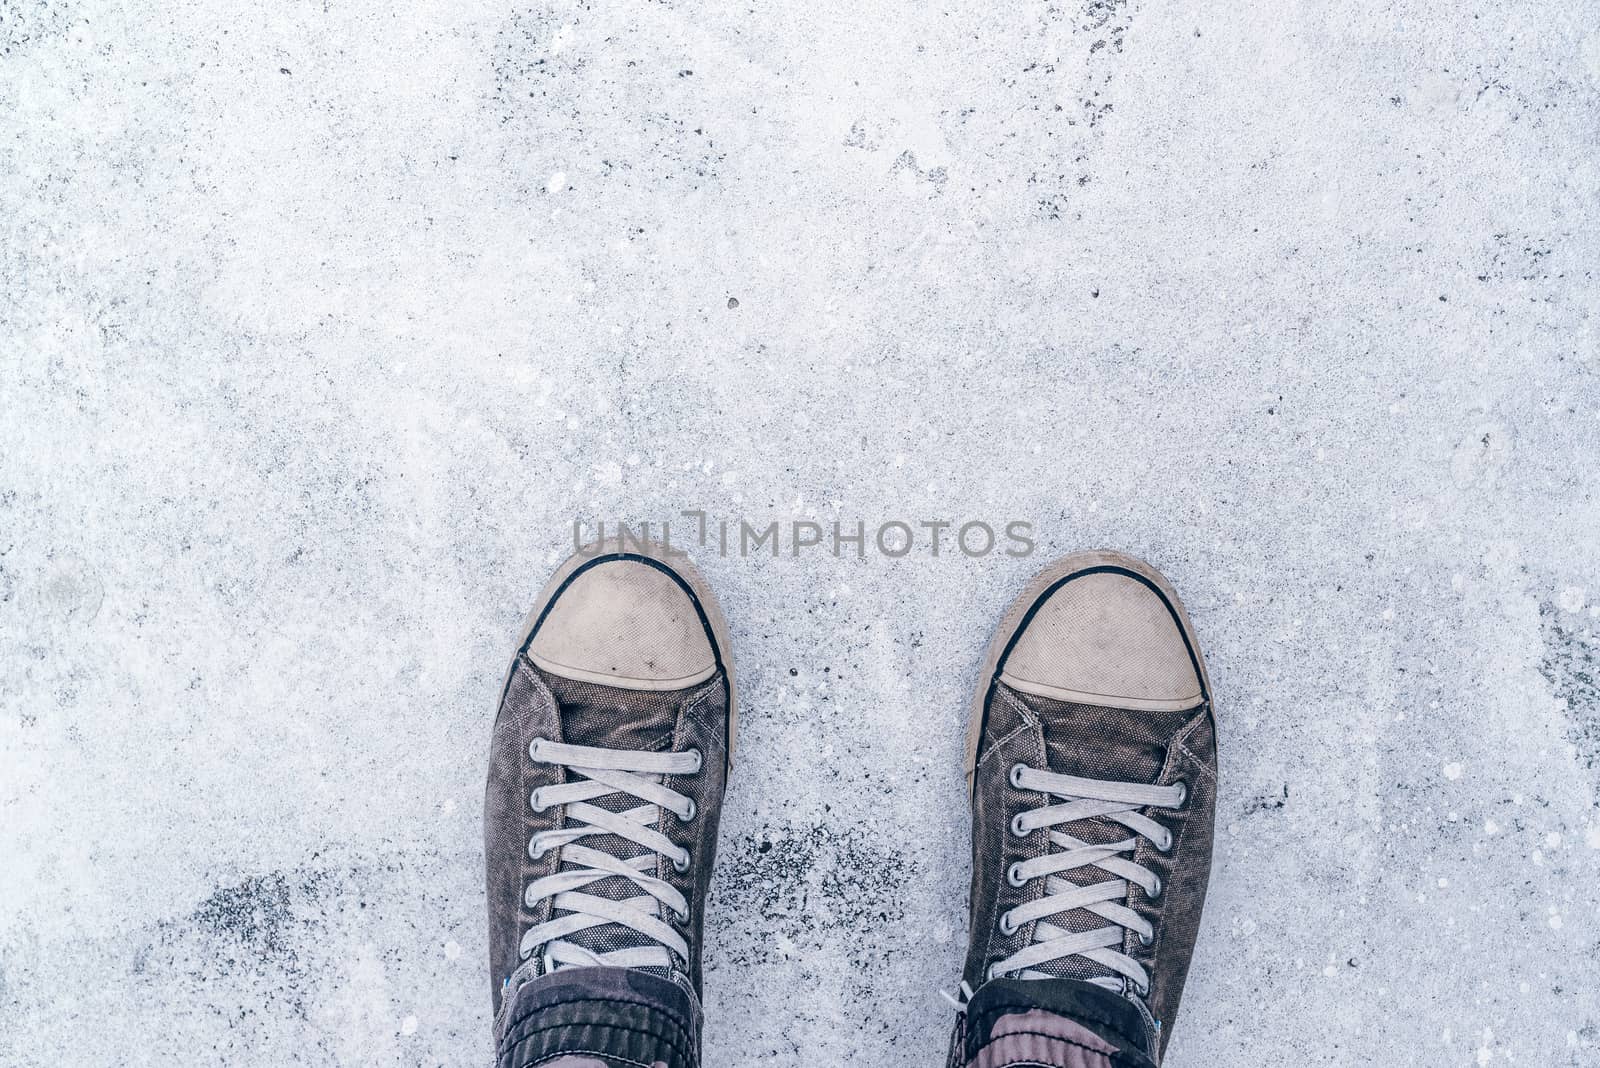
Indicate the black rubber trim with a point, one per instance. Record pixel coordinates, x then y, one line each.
683 584
1038 602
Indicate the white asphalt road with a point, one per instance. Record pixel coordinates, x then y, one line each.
320 323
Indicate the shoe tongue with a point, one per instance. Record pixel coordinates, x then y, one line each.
608 717
1110 744
1117 744
1106 1015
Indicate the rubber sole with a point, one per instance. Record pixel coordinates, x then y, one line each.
1043 584
677 566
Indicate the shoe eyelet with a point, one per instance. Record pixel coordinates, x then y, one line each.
1014 875
681 866
1165 845
1007 926
533 749
533 802
535 850
1017 828
1183 797
699 761
690 814
1155 891
1147 939
1016 775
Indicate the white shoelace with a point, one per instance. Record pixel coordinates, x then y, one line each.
603 772
1084 799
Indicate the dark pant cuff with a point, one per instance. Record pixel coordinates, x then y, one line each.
614 1015
1107 1015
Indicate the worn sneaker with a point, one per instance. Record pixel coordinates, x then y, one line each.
610 752
1092 763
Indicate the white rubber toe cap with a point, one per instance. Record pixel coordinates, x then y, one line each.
628 624
1105 638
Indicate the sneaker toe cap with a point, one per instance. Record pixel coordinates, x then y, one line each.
625 623
1105 638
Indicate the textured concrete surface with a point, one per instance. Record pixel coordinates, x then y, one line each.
321 321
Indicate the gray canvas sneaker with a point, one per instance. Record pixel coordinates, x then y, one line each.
1092 763
611 748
